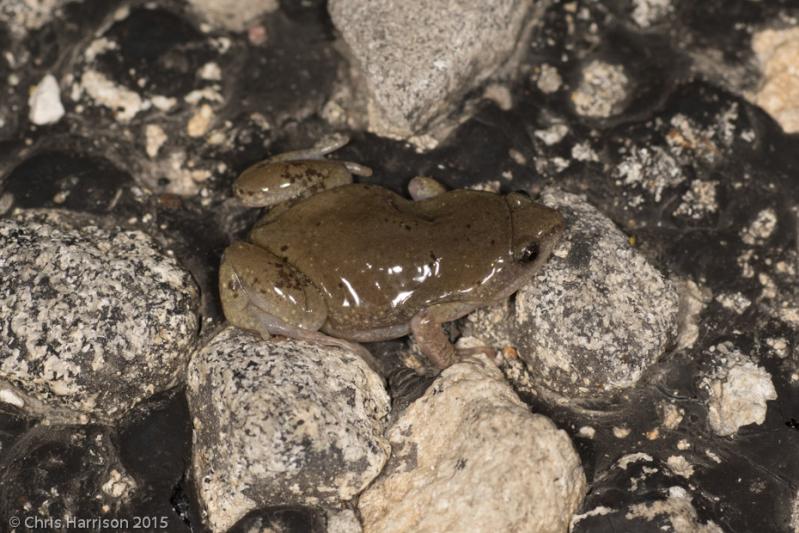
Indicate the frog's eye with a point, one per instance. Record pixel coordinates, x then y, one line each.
530 253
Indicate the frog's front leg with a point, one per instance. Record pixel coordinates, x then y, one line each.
427 329
264 293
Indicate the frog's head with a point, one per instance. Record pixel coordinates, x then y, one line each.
536 230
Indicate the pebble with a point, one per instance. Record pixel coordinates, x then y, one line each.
777 53
737 391
602 90
233 15
45 102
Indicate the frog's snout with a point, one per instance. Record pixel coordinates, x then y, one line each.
536 229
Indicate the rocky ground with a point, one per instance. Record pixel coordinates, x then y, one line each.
647 379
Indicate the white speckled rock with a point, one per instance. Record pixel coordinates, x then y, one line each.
419 58
737 390
469 456
93 318
282 422
596 315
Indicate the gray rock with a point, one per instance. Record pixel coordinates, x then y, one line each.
418 58
94 318
282 422
470 456
596 315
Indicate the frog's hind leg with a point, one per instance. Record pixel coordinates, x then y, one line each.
262 292
275 326
424 188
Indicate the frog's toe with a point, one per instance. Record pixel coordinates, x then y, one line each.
469 346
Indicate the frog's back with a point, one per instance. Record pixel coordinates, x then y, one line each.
379 258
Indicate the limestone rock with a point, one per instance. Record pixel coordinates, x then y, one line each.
737 391
469 456
778 54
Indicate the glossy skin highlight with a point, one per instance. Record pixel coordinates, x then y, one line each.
358 263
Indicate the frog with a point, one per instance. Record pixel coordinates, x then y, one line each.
338 262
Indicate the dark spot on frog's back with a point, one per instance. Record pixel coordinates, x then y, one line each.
579 254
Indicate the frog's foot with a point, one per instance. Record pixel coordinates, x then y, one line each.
266 325
275 326
431 339
357 169
424 187
328 144
467 346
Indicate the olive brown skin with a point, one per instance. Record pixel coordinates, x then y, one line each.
359 263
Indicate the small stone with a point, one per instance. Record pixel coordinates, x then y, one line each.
649 12
761 227
597 315
778 54
737 391
680 466
549 80
652 169
234 15
584 152
125 103
469 456
282 423
670 415
699 201
621 432
210 71
200 121
693 299
419 58
602 90
155 137
553 134
94 318
45 102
